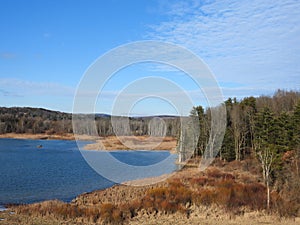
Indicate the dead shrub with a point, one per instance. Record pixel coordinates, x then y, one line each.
237 195
59 209
231 195
198 181
256 194
228 176
205 197
214 173
147 203
157 193
246 179
284 207
132 208
111 214
223 196
168 199
180 195
169 207
234 165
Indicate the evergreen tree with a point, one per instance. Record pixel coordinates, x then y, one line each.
227 151
295 142
198 112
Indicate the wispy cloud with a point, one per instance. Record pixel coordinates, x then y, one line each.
8 55
254 43
19 87
6 93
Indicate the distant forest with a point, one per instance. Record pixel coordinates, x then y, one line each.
38 120
250 121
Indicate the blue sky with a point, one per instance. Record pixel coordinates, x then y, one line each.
252 47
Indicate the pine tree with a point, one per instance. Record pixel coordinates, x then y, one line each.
198 112
295 143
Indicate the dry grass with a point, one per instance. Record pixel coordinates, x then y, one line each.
217 195
49 136
133 143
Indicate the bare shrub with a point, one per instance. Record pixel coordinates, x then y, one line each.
198 181
214 173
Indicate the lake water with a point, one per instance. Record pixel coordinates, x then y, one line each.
58 170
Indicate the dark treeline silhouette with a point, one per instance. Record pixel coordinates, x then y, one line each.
38 120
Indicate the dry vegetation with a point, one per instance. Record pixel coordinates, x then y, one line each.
228 192
133 143
45 136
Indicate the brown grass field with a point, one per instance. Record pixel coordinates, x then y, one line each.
133 143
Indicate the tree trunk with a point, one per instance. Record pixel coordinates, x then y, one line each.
268 194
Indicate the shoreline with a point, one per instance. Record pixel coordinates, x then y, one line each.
67 136
108 143
111 143
136 183
116 195
3 208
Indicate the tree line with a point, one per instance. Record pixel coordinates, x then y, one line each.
266 129
38 120
254 124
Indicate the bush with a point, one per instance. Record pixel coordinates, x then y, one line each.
214 173
198 181
111 214
205 197
168 199
232 195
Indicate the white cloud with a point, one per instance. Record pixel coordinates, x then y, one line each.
254 43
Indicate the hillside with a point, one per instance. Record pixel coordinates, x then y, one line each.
42 121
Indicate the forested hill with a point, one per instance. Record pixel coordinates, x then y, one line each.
254 123
39 120
263 131
242 121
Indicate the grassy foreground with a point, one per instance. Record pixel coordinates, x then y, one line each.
225 193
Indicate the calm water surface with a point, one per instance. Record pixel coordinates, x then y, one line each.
57 171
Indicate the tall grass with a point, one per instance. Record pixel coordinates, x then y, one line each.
214 187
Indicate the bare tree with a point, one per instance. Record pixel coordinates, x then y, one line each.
188 138
267 158
239 129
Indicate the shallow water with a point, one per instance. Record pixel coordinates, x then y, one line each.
58 170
